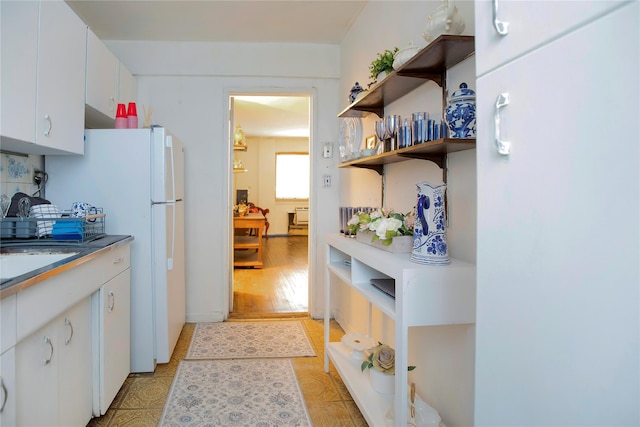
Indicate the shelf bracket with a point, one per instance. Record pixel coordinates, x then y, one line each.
378 111
435 77
438 159
377 168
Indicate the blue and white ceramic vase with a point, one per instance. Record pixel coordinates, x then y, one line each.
355 90
429 232
460 113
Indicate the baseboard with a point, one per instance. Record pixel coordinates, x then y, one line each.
205 317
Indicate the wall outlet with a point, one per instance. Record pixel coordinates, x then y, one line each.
326 181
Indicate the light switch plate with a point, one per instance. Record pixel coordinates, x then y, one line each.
326 152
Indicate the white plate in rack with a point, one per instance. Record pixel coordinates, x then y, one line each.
358 343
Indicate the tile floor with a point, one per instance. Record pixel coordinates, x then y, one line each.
142 397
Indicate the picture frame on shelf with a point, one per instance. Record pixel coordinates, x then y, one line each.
370 142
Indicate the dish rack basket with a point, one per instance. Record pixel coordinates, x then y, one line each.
57 230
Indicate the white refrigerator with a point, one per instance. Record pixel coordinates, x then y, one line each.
137 177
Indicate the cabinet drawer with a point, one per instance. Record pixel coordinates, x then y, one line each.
40 303
530 25
109 265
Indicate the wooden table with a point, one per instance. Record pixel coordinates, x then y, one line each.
246 243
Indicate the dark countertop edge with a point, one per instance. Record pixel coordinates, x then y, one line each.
86 252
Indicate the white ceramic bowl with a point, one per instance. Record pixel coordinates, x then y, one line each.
405 54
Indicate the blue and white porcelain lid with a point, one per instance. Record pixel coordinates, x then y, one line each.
463 93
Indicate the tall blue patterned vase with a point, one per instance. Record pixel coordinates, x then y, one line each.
429 233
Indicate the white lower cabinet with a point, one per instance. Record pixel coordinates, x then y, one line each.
425 296
54 371
65 349
112 348
7 388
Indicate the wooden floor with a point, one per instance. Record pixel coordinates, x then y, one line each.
280 287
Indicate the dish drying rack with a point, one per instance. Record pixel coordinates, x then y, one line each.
53 231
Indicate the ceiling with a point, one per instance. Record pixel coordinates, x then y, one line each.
230 21
290 21
272 116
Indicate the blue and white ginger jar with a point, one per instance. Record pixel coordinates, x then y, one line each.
460 113
355 90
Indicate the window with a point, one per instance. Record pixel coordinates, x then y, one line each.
292 175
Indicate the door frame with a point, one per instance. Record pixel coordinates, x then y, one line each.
312 240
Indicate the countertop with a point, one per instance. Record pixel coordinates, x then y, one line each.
86 252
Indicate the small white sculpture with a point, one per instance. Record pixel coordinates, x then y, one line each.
444 20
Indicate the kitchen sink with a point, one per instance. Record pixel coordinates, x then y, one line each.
16 263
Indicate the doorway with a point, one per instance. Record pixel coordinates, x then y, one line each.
270 125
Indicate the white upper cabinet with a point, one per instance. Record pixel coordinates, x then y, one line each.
103 70
61 77
109 83
19 31
128 87
43 60
529 25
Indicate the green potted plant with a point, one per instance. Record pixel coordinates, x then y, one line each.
382 63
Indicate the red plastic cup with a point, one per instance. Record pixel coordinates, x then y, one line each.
132 109
121 111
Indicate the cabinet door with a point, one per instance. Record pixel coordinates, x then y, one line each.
61 79
128 90
8 388
531 24
37 378
102 76
115 337
74 365
557 245
19 38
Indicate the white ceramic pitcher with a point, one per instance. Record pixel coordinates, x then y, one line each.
430 233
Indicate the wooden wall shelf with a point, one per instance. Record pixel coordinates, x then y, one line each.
431 63
435 151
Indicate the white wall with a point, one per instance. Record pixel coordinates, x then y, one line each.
259 160
187 85
444 355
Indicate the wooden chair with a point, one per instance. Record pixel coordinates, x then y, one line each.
255 209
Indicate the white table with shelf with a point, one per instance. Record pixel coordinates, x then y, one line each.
426 295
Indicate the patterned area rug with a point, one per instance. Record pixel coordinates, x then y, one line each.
235 393
249 340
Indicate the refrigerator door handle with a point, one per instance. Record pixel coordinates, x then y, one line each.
173 237
169 143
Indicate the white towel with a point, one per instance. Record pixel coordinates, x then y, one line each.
44 211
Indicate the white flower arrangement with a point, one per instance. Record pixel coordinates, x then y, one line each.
385 224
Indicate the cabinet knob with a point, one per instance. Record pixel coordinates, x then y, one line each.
504 147
501 27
